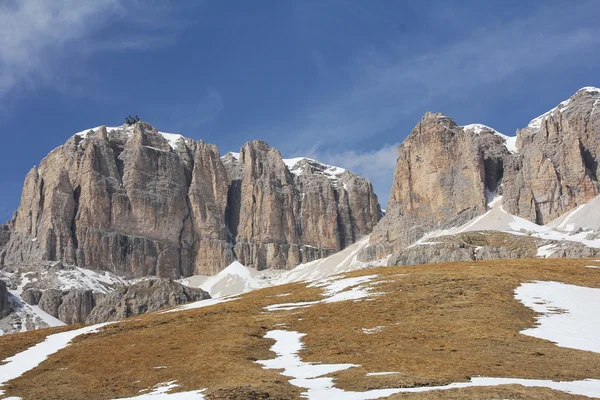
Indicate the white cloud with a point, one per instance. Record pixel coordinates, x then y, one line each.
49 42
33 34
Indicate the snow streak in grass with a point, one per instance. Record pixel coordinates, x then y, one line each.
311 376
202 304
27 360
569 314
161 391
335 290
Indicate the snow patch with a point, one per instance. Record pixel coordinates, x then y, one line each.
343 261
235 279
381 373
161 391
546 251
295 166
171 138
311 376
510 142
536 123
85 279
569 314
233 154
201 304
334 290
497 219
371 331
29 359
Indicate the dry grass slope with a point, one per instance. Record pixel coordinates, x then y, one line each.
441 323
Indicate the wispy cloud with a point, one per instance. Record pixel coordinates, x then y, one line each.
389 84
33 32
38 38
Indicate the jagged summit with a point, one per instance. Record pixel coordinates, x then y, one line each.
137 201
509 141
588 94
443 178
128 130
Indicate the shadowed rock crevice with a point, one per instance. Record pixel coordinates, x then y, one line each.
494 170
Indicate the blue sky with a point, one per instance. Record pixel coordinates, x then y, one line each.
338 80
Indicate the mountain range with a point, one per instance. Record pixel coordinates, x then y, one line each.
115 208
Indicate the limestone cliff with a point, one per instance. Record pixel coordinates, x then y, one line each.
556 168
137 202
445 173
442 177
286 211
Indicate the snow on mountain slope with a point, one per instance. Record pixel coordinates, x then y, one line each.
586 216
297 166
342 261
52 276
509 141
172 138
536 123
233 154
25 317
235 279
86 279
497 219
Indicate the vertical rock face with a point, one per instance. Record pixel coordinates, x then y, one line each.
557 168
76 306
266 232
441 178
207 199
136 202
4 303
284 212
71 307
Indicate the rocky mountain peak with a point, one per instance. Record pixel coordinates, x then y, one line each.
137 201
557 168
446 174
442 179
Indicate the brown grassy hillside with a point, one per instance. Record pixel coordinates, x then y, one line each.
437 324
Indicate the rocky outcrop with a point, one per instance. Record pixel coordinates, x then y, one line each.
488 245
31 296
143 297
442 176
137 202
4 303
556 168
71 307
445 173
50 301
76 305
284 212
4 235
